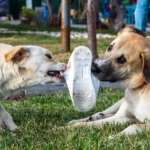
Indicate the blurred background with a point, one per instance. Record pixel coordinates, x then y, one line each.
111 14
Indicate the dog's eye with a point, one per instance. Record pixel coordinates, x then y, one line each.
121 60
48 56
110 47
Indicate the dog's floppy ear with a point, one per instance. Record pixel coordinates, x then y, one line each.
146 68
17 54
131 29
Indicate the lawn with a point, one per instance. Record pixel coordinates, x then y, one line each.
39 118
51 43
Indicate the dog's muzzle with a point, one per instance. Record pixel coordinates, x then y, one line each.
104 71
95 68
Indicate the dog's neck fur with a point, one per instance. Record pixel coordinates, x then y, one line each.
12 81
141 86
136 81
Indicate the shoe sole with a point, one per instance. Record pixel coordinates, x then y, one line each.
83 92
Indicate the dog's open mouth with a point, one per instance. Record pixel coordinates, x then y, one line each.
58 74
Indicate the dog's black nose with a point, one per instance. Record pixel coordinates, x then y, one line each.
95 68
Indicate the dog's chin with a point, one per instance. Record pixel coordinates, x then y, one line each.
45 80
104 78
55 79
58 79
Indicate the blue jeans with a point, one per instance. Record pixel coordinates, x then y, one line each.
141 14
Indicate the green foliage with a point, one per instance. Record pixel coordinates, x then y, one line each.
27 13
22 27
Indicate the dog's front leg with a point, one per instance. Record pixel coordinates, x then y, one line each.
122 116
132 130
99 123
6 120
101 115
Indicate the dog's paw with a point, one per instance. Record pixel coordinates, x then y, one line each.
11 126
99 116
112 137
73 122
78 121
6 121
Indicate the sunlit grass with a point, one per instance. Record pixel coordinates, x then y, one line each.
52 43
39 119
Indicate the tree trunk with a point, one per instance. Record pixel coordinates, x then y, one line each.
65 25
97 14
91 24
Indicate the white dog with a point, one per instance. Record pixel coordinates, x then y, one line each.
24 66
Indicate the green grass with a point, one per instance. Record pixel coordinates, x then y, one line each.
45 28
28 27
39 119
51 43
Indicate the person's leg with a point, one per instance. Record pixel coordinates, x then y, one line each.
141 14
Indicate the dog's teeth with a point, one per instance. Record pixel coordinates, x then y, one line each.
61 73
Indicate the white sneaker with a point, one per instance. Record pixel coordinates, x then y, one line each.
82 84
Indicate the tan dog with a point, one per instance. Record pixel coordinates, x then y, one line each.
127 60
24 66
